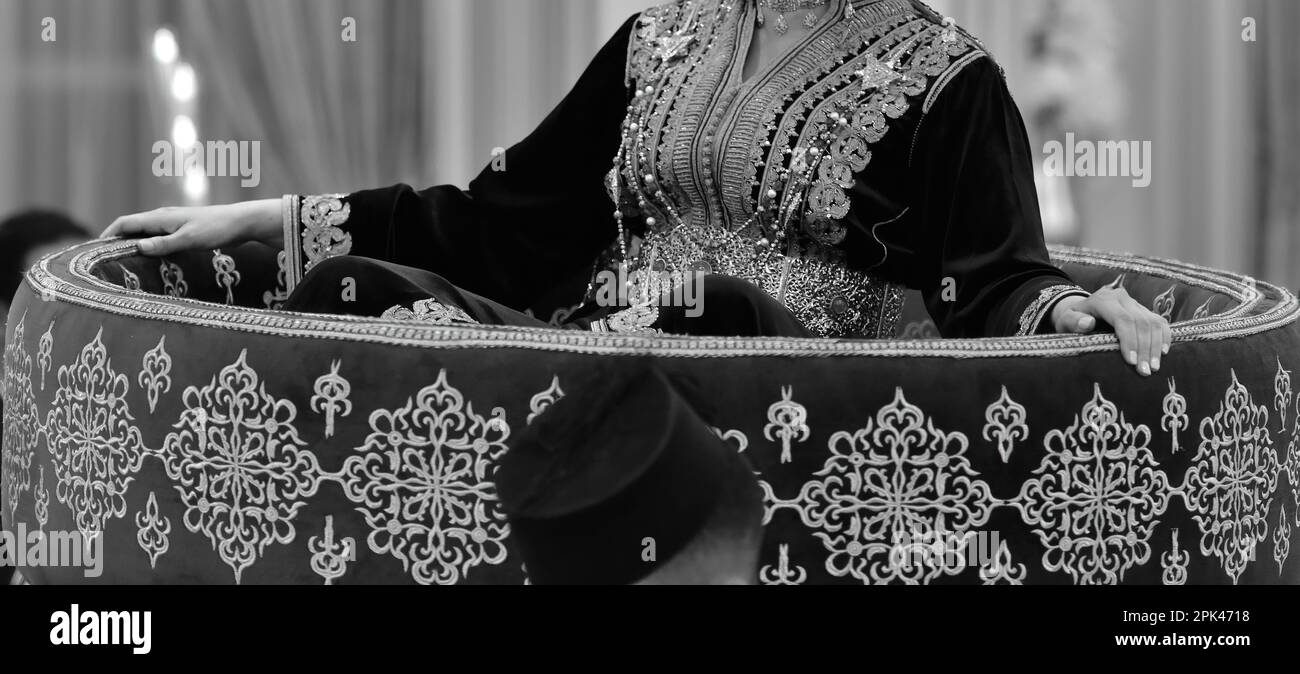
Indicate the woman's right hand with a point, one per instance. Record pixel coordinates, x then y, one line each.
173 229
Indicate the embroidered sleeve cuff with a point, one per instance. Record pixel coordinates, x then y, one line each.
313 231
1039 310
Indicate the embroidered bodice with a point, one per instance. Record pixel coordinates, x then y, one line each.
751 178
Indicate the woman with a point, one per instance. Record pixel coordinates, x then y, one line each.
803 160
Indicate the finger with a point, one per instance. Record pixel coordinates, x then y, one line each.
155 222
159 246
1146 342
1126 330
1077 322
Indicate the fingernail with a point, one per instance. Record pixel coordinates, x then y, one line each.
1145 368
146 246
1132 357
1155 364
1086 323
1164 348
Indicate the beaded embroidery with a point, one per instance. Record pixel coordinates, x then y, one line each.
322 218
751 178
430 311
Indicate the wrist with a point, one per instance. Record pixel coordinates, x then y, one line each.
262 222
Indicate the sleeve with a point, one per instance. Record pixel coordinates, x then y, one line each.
536 215
987 270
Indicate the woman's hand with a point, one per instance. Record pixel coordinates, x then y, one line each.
174 229
1143 336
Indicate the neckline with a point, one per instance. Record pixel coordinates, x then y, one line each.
745 42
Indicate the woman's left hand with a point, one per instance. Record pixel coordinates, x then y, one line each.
1143 336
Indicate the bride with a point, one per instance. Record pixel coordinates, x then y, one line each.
803 161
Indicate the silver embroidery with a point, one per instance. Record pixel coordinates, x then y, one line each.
1174 420
173 279
155 373
787 420
430 311
331 396
784 573
95 446
152 530
1034 314
1001 569
44 351
322 218
226 275
427 496
1174 563
1231 482
543 401
1097 495
1005 424
241 469
329 558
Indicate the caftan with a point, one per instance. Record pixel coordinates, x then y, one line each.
884 152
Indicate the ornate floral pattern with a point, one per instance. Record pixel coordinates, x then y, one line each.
226 275
173 279
1174 421
1230 486
783 573
323 237
422 479
44 351
239 465
897 476
1005 424
21 424
1164 303
1282 394
329 558
1002 570
1097 496
155 373
331 396
1174 563
543 400
153 530
431 311
95 444
787 421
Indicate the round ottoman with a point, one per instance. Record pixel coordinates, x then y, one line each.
202 437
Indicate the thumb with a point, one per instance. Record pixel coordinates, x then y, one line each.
1076 322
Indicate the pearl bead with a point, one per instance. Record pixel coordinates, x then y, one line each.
651 222
649 178
771 194
618 215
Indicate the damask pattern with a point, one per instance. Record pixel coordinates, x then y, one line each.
239 465
21 424
897 476
95 444
153 530
421 478
787 421
1230 487
1097 497
155 373
1005 424
331 396
422 482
